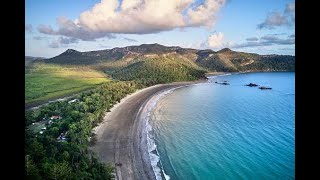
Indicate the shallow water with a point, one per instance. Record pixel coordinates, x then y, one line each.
214 131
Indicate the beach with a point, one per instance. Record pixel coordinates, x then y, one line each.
122 136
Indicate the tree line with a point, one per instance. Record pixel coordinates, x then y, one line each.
48 158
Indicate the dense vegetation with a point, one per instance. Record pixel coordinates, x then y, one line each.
73 57
47 81
279 62
213 63
48 158
157 71
227 60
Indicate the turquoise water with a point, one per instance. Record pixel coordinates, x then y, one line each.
213 131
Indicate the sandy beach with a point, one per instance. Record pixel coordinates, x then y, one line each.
121 137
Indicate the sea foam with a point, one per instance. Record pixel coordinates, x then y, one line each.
151 144
152 147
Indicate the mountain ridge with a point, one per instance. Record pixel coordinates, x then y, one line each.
224 60
154 46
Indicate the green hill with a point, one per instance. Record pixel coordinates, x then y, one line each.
227 60
159 70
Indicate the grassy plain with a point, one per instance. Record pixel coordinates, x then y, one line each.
47 81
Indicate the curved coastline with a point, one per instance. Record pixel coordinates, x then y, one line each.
122 137
153 156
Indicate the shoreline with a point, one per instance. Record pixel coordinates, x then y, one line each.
122 135
148 147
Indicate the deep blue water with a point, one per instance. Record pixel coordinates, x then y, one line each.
213 131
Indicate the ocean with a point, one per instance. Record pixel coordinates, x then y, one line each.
215 131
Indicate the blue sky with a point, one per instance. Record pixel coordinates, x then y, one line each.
258 26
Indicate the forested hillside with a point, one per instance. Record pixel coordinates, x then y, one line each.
159 70
227 60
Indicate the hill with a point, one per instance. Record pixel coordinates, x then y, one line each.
159 70
225 60
73 57
29 59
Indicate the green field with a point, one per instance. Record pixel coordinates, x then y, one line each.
46 81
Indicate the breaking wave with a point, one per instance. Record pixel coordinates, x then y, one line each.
152 147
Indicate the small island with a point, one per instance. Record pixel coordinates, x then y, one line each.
264 88
251 85
223 83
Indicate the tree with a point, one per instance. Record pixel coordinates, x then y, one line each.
36 150
31 171
59 171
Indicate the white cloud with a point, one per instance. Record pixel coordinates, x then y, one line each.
205 15
276 19
148 16
137 17
216 41
129 4
70 29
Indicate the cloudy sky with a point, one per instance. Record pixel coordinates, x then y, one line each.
258 26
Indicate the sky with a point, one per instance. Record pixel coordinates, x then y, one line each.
256 26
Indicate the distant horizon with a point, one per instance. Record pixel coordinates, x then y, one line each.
151 44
